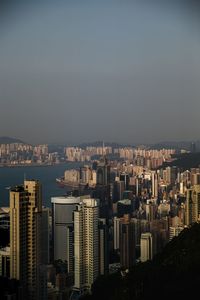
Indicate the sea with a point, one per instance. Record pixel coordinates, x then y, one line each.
12 176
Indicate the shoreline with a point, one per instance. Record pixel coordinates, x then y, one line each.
34 165
43 164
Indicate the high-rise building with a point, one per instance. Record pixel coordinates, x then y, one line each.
116 225
86 244
192 209
62 228
151 210
154 184
70 249
126 179
103 247
102 191
45 235
127 242
27 245
159 229
18 235
118 189
146 247
103 172
35 239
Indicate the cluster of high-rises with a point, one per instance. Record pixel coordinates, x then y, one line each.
139 211
25 154
81 154
138 160
86 175
139 156
126 217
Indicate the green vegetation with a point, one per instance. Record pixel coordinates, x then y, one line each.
173 274
185 161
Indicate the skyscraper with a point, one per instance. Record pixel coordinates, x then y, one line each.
154 184
116 226
26 239
62 223
103 188
103 247
126 179
18 235
127 242
192 209
146 246
103 172
118 189
86 243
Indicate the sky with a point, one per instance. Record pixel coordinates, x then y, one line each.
77 71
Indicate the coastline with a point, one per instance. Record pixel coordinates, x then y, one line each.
36 165
46 174
26 165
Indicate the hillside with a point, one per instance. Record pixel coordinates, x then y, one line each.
174 274
9 140
175 145
100 144
185 161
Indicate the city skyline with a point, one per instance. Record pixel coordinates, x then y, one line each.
99 149
102 70
117 214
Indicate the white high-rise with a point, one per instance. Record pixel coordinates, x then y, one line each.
116 233
86 244
146 246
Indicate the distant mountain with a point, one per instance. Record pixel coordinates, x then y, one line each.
178 145
9 140
100 144
173 274
175 145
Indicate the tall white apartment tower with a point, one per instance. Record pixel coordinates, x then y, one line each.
86 244
154 180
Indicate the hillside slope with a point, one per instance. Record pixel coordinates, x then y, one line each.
173 274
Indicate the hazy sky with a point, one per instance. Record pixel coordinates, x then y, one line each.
80 70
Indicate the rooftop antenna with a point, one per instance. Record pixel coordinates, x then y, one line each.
24 176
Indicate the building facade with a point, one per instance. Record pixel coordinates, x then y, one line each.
86 243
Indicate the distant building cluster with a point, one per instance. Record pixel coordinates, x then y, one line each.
85 175
138 156
23 154
80 154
